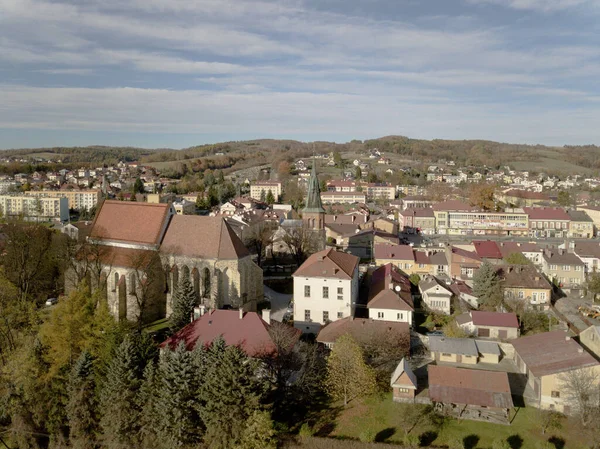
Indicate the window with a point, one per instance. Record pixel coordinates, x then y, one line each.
379 314
340 315
340 293
307 315
325 292
445 354
325 316
553 267
307 291
566 267
542 296
521 294
555 394
402 390
400 316
578 268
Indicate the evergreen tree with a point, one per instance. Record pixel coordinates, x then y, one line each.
487 287
138 186
348 376
150 416
270 198
176 407
81 408
357 173
220 177
230 395
184 301
120 421
259 432
263 195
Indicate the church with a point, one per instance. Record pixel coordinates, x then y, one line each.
137 253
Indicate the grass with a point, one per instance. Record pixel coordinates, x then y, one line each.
377 414
157 325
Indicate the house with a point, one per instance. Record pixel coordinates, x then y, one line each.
526 283
581 226
435 295
360 243
594 213
497 325
325 289
417 221
463 263
589 253
488 251
400 256
365 328
248 330
403 383
590 340
463 350
547 222
78 231
416 202
470 394
385 225
463 291
531 251
260 189
563 267
390 297
545 359
522 198
342 197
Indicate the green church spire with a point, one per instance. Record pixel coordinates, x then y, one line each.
313 199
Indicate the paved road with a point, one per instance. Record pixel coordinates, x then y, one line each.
279 303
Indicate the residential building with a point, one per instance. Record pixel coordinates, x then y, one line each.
380 191
527 284
77 199
325 289
532 251
342 197
488 251
361 328
590 340
522 198
581 226
463 263
435 295
452 222
78 231
339 185
546 359
400 256
417 221
470 394
31 207
463 350
589 253
384 224
594 213
390 297
416 202
411 190
184 207
547 222
464 292
260 189
564 267
495 325
361 243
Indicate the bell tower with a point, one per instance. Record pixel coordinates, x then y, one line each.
313 213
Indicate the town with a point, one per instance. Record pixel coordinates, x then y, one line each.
454 305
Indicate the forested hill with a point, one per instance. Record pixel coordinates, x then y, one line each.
240 154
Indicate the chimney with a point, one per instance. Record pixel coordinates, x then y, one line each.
241 313
580 350
266 315
353 218
567 338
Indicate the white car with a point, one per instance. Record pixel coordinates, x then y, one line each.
51 301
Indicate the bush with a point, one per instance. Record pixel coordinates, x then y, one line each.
305 431
367 436
411 441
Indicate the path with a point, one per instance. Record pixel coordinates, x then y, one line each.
279 303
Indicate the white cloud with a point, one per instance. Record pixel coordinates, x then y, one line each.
538 5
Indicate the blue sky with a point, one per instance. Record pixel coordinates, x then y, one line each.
176 73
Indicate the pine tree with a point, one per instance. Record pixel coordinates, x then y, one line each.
230 395
150 416
486 286
178 381
348 376
184 301
259 432
81 408
263 195
270 199
120 421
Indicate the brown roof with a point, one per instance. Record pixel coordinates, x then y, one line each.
487 249
526 194
393 252
390 289
360 326
562 257
132 222
498 319
587 249
206 237
117 257
422 257
468 386
329 264
251 333
418 212
452 205
346 219
507 248
551 353
546 213
522 276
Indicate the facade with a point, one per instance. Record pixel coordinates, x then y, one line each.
494 325
361 243
581 226
525 283
77 199
31 207
563 267
390 297
260 188
143 250
590 340
481 223
416 202
335 197
594 213
417 221
184 207
548 222
380 191
463 350
545 359
325 289
401 256
435 295
463 263
403 383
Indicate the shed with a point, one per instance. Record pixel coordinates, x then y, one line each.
403 382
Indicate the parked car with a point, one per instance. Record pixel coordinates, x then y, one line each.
51 301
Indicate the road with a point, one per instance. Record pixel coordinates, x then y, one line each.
279 303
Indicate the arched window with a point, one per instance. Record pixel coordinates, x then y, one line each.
132 283
117 277
206 286
196 281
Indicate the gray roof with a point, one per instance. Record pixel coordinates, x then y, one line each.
403 367
463 346
487 347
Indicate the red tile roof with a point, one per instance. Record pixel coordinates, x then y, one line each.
251 333
487 249
452 205
362 326
329 264
526 194
552 353
468 386
546 213
393 252
381 296
497 319
422 257
123 221
507 248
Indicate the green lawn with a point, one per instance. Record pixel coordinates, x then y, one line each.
157 325
378 414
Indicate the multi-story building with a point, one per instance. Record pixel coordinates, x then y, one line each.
390 297
581 226
341 185
380 191
417 221
563 267
522 198
77 199
594 213
411 190
32 207
343 197
257 188
400 256
525 283
482 223
547 222
325 289
416 202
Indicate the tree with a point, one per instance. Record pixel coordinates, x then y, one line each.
482 196
120 420
487 286
263 196
81 408
301 242
220 177
581 389
593 284
145 284
409 416
138 187
270 198
231 393
547 420
564 198
357 173
383 348
453 330
337 158
414 279
184 301
348 376
294 195
517 259
259 432
258 237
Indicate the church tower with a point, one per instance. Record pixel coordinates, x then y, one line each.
313 213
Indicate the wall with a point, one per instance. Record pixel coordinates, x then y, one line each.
590 340
391 315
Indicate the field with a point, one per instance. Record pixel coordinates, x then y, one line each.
379 416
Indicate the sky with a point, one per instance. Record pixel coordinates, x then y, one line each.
177 73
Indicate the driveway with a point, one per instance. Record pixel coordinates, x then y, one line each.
279 303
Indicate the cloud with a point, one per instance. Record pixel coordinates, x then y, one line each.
538 5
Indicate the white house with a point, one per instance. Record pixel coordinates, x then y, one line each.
325 289
390 297
435 294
